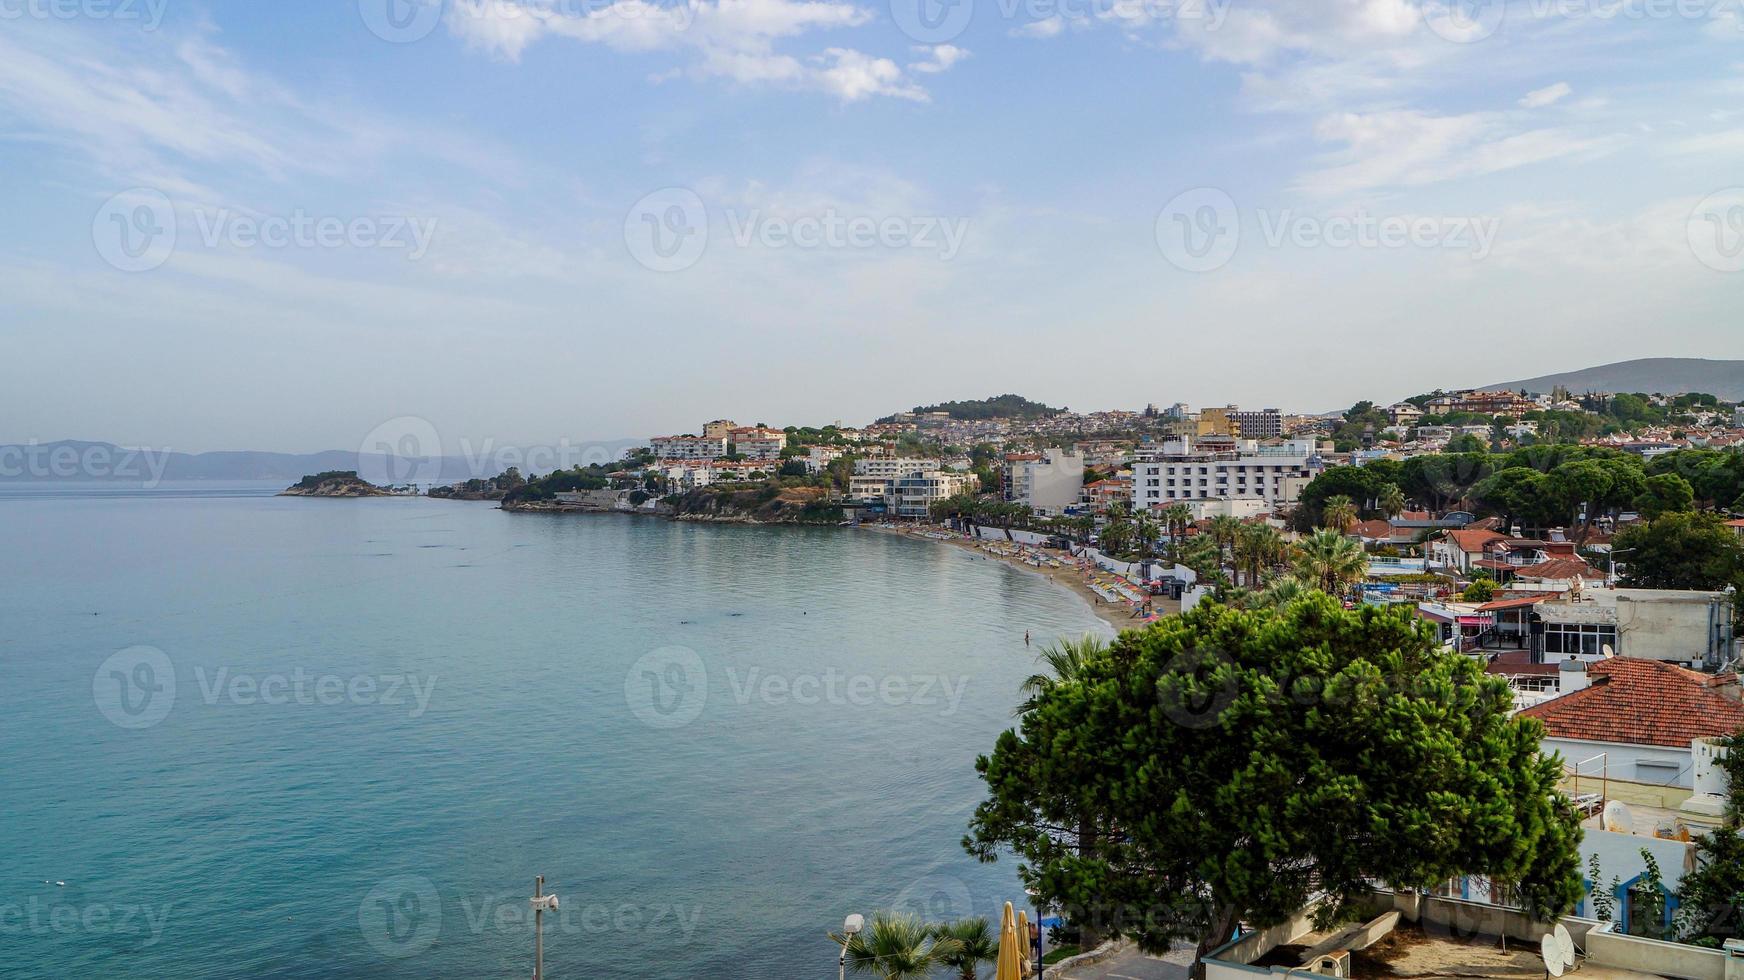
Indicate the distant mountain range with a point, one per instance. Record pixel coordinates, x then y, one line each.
73 460
1664 375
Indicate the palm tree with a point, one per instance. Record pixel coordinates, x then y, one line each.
1391 500
1281 591
1338 513
1066 658
1330 561
896 946
1224 528
1146 529
1116 534
1177 518
1257 547
976 945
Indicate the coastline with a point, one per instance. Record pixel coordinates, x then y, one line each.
1117 616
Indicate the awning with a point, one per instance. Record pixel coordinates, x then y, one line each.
1476 620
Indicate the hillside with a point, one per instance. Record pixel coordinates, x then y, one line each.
996 407
1666 375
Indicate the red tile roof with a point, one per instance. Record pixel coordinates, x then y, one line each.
1372 529
1560 569
1473 542
1644 702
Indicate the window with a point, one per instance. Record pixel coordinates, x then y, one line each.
1583 639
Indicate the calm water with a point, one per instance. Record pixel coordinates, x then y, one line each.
277 737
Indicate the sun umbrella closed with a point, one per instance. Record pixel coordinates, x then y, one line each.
1010 948
1022 943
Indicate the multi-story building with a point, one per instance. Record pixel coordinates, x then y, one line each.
915 494
1264 424
688 447
1216 422
755 442
818 457
891 467
719 428
1404 414
1183 470
1047 482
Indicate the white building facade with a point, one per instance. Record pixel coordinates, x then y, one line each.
1181 472
1046 482
688 447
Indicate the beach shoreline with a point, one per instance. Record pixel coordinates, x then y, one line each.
1119 616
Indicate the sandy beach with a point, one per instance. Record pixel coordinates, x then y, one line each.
1116 614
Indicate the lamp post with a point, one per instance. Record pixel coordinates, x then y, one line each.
851 927
1035 899
541 902
1611 576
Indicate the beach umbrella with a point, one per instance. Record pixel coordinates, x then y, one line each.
1006 967
1023 942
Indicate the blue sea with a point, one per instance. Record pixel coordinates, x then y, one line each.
256 736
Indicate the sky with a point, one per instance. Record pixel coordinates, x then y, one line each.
278 225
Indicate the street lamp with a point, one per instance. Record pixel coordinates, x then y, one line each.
851 927
1611 576
1035 899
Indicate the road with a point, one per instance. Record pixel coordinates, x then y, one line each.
1130 964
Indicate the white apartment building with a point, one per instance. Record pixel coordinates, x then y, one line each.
915 494
757 443
818 457
891 467
1181 472
1047 482
688 447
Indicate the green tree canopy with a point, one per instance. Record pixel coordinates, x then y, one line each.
1228 766
1680 551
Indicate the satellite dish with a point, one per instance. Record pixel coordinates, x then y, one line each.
1617 819
1566 942
1606 651
1551 950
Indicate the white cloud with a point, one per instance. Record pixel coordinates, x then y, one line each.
1406 148
733 39
1046 27
1548 95
937 58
